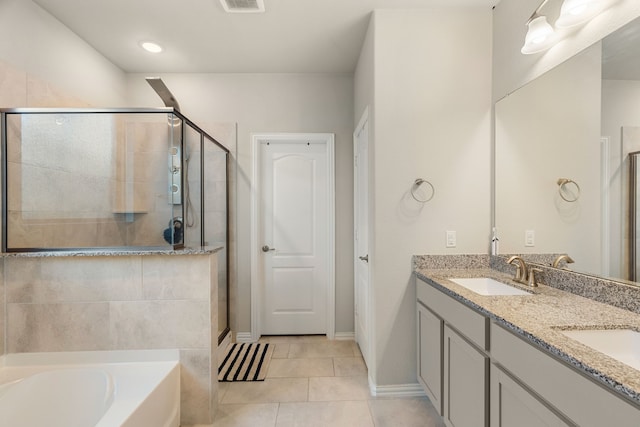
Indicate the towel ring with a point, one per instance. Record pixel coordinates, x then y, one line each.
563 182
416 185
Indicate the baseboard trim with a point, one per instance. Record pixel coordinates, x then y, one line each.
344 336
244 337
398 390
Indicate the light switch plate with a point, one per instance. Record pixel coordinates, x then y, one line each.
529 238
451 239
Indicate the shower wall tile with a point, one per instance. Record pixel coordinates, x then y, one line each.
113 233
57 327
148 229
159 324
73 279
14 196
176 280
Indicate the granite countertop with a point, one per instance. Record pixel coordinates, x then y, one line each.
539 318
114 252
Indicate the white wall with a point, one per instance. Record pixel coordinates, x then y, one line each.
511 69
431 119
33 41
262 103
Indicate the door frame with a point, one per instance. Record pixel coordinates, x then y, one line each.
366 313
256 260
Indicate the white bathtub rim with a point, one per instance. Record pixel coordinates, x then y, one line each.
49 392
89 357
151 364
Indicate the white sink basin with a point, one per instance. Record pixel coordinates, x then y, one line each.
621 344
488 286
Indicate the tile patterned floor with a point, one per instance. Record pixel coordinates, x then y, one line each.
314 382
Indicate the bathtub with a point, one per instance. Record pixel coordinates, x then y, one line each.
87 389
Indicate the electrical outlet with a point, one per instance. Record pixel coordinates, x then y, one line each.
529 238
451 239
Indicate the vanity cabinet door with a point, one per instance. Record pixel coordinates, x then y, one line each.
430 340
465 382
514 406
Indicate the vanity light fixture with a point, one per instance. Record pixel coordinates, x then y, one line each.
576 12
151 47
541 35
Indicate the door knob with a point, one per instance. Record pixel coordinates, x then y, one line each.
266 248
364 258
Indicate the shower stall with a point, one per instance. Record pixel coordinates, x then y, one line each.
113 180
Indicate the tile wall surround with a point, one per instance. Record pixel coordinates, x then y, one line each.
616 293
118 302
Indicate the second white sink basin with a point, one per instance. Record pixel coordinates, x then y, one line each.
621 344
488 286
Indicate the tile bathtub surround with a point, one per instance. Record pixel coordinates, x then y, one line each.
119 302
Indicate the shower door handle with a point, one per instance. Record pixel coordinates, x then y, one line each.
266 248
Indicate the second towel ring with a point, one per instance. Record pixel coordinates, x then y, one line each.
416 185
562 183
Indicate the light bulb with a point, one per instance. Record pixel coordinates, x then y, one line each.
540 35
576 12
151 47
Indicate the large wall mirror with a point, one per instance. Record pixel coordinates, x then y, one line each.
562 158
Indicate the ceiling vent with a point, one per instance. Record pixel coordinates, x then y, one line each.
243 6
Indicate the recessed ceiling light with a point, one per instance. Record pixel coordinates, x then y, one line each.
151 47
243 6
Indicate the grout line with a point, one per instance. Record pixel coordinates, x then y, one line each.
275 423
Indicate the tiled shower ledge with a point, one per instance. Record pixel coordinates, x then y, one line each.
538 318
113 252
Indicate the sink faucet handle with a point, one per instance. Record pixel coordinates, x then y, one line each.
521 269
564 257
531 280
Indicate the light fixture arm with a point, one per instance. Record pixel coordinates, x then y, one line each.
536 13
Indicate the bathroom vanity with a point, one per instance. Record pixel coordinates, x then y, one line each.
506 360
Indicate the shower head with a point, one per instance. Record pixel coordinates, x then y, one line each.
163 92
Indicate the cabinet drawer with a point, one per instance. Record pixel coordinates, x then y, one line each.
577 397
513 406
471 324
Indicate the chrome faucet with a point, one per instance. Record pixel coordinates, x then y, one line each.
560 258
521 269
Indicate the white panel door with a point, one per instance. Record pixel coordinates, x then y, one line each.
361 243
294 228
